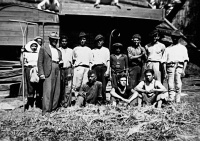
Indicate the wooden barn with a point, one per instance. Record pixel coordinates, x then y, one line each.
134 16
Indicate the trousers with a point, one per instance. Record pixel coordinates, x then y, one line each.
80 76
174 83
155 66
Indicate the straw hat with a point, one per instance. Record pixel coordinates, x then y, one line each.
54 35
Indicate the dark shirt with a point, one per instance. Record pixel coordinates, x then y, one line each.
91 92
118 64
126 94
135 52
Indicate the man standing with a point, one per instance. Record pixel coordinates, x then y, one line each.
175 60
89 91
118 63
151 91
66 69
155 51
137 57
101 63
48 68
82 58
39 40
122 93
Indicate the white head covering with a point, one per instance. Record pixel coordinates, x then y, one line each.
28 46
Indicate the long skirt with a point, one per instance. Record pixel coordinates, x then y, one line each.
51 90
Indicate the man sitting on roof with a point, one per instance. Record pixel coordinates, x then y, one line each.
49 5
114 2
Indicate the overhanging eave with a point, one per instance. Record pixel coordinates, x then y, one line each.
112 11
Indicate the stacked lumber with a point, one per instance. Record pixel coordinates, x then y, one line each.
10 77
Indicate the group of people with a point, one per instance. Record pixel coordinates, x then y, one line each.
79 76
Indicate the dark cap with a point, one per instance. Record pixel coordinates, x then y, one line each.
136 36
117 45
98 37
167 39
155 32
82 34
176 33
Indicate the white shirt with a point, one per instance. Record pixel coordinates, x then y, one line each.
100 56
54 54
155 52
66 57
30 58
175 53
82 55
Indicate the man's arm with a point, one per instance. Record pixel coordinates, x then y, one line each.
114 94
139 87
160 88
133 96
107 63
41 4
40 63
131 56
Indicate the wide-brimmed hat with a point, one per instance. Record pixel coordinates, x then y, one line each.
136 36
28 46
54 35
155 32
98 37
37 37
82 34
117 45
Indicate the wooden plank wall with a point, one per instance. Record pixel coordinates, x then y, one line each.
11 40
10 32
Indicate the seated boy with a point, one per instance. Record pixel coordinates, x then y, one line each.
90 92
151 91
122 93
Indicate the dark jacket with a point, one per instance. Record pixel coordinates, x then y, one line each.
45 60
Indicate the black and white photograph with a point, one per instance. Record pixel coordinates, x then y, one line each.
99 70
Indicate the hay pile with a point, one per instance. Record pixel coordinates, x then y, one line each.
176 122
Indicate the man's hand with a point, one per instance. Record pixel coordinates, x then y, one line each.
166 76
42 76
183 73
106 74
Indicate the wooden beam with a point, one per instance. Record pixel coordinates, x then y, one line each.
12 79
112 11
10 73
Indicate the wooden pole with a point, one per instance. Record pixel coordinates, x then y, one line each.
22 51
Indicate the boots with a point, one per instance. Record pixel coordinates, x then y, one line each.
30 103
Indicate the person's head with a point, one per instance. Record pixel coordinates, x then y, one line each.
175 37
122 80
64 41
92 76
39 40
118 48
167 40
53 39
136 39
155 35
82 38
149 75
34 47
99 40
